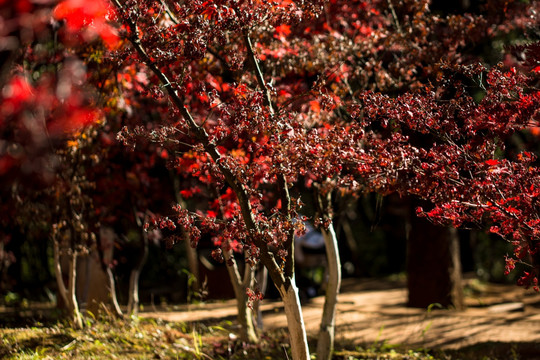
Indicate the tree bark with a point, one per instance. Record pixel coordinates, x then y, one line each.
112 292
68 294
248 332
433 265
62 290
325 343
73 304
261 277
191 253
133 300
295 322
193 266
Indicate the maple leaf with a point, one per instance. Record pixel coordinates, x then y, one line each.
88 19
315 106
16 93
282 31
492 162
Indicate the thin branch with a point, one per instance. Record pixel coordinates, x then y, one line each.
259 74
283 186
169 12
394 16
202 136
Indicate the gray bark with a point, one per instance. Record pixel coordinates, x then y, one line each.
112 292
73 304
240 284
295 322
325 343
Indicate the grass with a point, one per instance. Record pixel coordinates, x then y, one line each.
135 339
153 339
144 338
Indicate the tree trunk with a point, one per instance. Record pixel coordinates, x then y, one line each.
193 266
68 294
240 284
133 296
261 277
248 331
191 253
133 301
112 292
295 322
325 343
62 291
73 305
433 265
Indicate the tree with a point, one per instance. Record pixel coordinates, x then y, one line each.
232 135
246 222
246 99
44 105
460 173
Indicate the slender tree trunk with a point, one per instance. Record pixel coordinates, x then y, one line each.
133 300
325 343
68 294
261 277
62 291
455 270
72 295
248 332
193 266
112 292
191 253
295 322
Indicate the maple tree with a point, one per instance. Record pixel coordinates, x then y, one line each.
236 144
44 106
247 99
456 167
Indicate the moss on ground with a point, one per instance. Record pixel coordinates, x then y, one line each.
108 338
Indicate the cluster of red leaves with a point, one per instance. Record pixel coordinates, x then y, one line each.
86 21
443 150
40 106
404 134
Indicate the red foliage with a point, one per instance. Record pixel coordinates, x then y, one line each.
86 20
247 99
417 130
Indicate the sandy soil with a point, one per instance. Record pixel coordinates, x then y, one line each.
373 312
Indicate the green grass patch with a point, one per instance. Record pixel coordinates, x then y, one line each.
138 338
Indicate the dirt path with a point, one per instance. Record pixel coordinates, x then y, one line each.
373 312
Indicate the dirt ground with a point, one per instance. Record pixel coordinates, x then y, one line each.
371 313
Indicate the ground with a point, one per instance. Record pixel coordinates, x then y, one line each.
500 322
374 313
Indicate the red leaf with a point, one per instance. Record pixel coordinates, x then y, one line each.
16 93
87 18
315 106
283 30
186 193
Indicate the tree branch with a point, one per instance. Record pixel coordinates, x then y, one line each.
203 138
281 179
